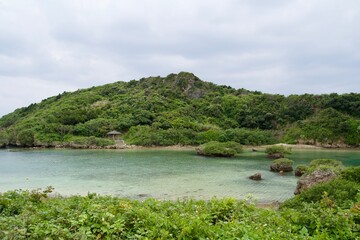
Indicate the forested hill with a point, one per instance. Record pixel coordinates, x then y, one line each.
182 109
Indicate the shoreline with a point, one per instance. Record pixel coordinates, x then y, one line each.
182 147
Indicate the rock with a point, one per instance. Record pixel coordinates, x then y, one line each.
199 151
256 176
281 165
300 170
281 173
318 176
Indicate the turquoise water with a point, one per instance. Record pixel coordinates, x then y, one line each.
162 174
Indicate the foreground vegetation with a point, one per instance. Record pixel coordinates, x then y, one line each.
29 215
182 109
329 210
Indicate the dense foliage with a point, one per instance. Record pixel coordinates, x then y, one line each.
324 164
219 149
277 151
31 215
182 109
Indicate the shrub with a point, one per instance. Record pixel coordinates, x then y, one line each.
4 139
351 174
300 170
90 141
277 151
234 145
218 149
26 138
281 164
341 191
325 164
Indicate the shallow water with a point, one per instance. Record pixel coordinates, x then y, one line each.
162 174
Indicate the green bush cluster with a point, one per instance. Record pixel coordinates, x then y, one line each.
220 149
88 141
147 136
277 151
342 192
325 164
30 215
351 174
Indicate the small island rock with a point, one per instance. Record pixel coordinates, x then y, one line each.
281 165
318 176
256 177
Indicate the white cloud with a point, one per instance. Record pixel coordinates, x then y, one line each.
17 92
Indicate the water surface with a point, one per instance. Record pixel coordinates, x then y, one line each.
162 174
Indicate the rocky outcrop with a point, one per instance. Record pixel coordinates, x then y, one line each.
281 165
300 170
318 176
281 168
256 177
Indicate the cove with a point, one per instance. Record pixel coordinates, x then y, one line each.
160 174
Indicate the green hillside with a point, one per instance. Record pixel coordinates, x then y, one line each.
182 109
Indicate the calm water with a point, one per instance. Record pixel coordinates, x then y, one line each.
162 174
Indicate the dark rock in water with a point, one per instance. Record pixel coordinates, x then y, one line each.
256 176
318 176
142 195
254 150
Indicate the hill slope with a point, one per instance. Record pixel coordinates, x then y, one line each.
182 109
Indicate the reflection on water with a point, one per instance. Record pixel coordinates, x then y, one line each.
162 174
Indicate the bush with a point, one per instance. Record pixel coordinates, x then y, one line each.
281 164
234 145
26 138
277 151
89 141
218 149
300 170
351 174
4 139
248 136
340 191
325 164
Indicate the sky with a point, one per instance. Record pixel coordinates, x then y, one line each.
279 46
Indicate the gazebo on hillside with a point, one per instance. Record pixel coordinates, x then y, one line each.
114 135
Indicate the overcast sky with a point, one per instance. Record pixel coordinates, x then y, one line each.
277 46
